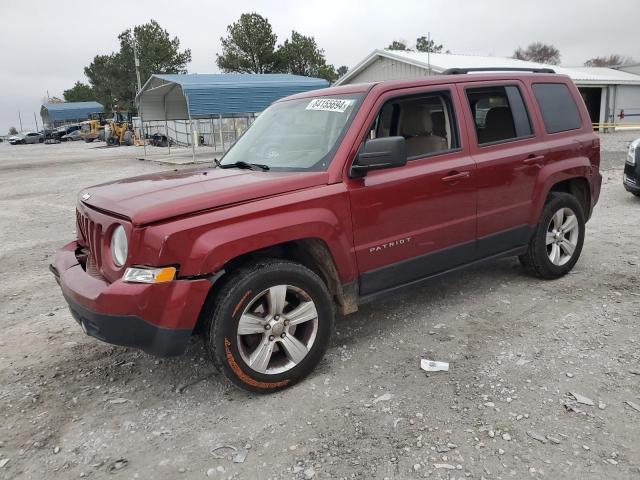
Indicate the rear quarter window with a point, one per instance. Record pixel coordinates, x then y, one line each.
558 108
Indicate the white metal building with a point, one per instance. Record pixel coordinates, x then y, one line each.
611 96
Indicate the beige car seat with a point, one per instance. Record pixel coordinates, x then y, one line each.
417 127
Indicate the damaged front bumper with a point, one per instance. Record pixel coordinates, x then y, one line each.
156 318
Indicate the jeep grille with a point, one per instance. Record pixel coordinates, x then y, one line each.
90 236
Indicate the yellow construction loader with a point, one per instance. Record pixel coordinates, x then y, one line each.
93 129
119 129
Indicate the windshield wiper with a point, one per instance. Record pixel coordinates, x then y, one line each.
243 164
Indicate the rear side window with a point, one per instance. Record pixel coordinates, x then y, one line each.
559 110
499 114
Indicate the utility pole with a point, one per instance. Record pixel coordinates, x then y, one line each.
137 63
20 118
429 51
36 119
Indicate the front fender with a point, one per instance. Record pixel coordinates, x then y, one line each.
219 246
204 243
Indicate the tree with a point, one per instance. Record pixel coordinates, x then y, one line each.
80 92
102 75
301 56
608 61
113 77
249 46
328 72
423 44
13 131
397 45
538 52
342 70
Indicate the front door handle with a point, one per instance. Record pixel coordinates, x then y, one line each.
533 159
456 176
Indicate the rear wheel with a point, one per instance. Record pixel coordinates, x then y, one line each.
270 325
557 242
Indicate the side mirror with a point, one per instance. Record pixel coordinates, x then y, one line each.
379 153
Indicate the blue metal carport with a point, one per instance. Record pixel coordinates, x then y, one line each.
190 96
54 114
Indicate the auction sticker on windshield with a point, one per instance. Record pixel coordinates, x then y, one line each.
329 104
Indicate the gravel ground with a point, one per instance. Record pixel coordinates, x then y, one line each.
521 352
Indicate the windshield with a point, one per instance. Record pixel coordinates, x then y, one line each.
295 134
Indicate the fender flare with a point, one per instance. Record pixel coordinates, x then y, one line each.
554 173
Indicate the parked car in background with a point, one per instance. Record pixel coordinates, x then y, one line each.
631 178
26 137
330 199
72 136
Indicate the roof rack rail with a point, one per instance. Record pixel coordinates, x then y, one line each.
460 71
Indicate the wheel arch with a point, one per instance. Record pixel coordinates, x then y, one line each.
313 253
570 176
579 188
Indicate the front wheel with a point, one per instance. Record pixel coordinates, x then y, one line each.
270 325
557 242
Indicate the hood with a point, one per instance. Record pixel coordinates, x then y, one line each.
160 196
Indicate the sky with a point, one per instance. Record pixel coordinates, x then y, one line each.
45 48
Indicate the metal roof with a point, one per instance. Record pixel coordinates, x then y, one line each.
218 94
438 62
52 112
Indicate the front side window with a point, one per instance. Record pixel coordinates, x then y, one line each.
295 135
426 122
559 110
499 114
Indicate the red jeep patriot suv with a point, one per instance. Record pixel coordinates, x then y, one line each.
331 198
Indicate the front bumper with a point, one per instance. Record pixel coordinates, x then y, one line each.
157 318
631 178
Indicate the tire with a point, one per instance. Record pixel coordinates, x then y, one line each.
41 140
246 294
128 138
557 258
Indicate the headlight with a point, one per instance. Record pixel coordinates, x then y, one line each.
149 274
634 152
119 247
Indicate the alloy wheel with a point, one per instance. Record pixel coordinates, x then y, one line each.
277 329
562 237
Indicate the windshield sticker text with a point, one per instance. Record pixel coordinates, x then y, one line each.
329 104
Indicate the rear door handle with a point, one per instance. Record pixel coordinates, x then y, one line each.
456 176
533 159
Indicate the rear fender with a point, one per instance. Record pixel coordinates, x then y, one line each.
553 173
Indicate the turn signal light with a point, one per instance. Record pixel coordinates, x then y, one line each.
149 274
